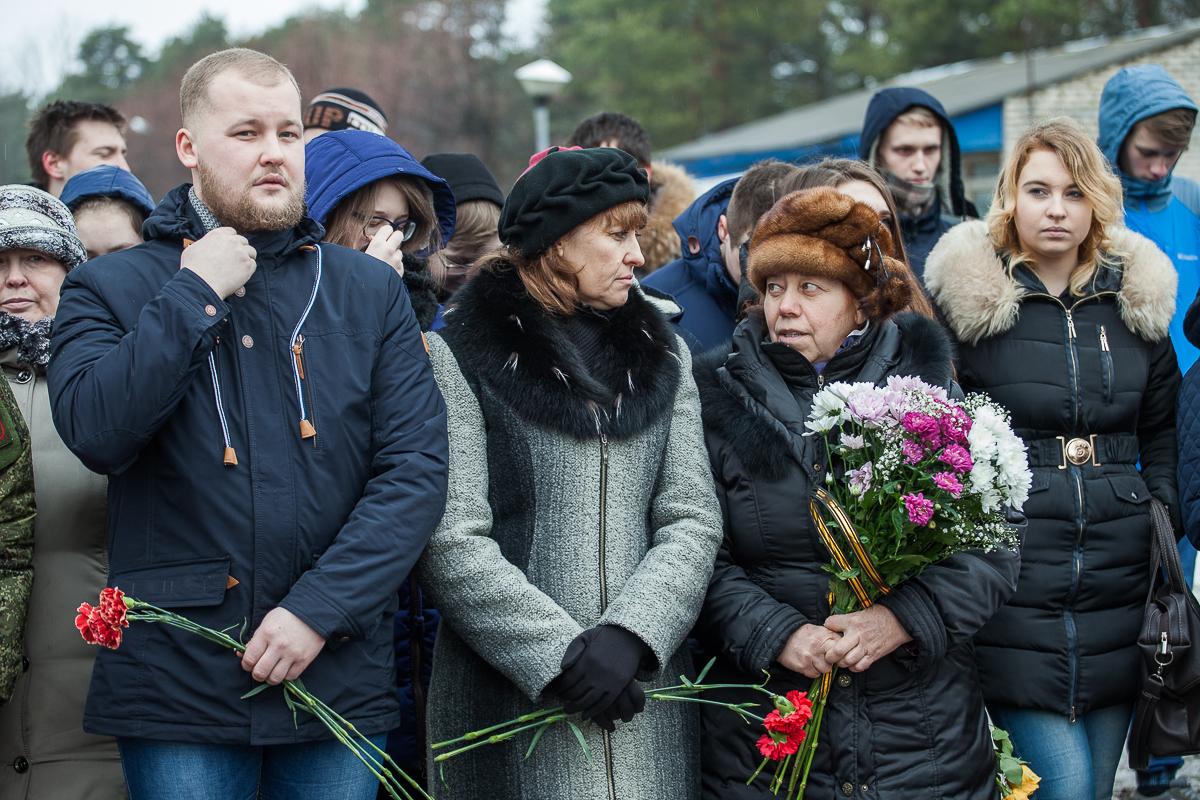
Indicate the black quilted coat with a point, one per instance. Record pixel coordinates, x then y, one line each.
913 724
1101 364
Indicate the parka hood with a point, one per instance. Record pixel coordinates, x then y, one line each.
885 106
340 162
1129 97
174 220
706 265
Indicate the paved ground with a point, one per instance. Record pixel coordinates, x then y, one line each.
1125 777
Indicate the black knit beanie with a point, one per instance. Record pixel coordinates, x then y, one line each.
468 176
564 188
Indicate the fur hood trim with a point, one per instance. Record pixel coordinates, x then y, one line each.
501 337
671 192
909 344
972 288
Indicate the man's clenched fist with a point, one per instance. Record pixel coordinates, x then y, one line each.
223 258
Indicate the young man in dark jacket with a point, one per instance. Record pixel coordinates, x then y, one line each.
909 138
705 281
276 450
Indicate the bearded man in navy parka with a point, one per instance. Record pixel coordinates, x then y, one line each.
276 446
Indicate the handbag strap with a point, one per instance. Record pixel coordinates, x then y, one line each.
1165 551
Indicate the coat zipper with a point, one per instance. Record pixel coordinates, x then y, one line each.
1106 364
307 431
608 757
1076 572
230 457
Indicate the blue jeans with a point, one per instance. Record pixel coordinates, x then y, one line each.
1076 760
156 770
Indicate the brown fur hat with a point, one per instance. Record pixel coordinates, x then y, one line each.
824 233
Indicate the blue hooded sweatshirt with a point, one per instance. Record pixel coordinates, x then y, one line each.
339 162
1166 212
920 233
698 281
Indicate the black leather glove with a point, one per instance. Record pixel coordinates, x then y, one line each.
597 677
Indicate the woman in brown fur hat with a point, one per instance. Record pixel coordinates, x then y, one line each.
906 716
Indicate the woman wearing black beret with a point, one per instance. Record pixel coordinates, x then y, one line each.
581 525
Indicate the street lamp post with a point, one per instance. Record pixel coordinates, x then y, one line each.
542 80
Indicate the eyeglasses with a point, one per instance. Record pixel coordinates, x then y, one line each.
451 266
405 227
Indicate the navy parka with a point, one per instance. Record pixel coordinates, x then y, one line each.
327 527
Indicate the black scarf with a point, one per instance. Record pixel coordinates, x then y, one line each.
31 338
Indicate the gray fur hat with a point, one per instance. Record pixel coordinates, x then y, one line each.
34 220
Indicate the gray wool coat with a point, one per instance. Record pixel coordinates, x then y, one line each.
537 544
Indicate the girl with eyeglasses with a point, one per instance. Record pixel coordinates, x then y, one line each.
373 196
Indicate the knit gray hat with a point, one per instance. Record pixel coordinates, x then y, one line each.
31 219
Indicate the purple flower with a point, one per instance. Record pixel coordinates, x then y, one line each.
920 510
868 407
924 426
948 482
860 479
957 457
956 425
913 451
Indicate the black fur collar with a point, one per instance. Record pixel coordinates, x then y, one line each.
908 345
502 337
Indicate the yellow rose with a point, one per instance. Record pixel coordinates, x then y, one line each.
1029 782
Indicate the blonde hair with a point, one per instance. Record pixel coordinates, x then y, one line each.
1091 173
344 225
549 277
474 226
258 68
919 116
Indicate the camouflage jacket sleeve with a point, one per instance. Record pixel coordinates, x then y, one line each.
16 537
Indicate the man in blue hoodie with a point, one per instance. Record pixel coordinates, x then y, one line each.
705 281
1146 123
908 137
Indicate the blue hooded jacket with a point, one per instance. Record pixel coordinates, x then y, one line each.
340 162
1168 211
920 233
698 281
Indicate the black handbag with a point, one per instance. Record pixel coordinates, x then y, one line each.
1167 720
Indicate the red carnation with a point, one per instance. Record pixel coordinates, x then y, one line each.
777 750
803 706
103 625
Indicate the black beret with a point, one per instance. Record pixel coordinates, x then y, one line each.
564 189
468 176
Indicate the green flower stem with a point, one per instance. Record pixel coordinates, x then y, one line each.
502 737
810 745
731 706
473 735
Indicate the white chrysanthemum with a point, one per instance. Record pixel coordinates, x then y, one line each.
852 442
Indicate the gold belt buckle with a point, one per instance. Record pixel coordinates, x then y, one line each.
1078 451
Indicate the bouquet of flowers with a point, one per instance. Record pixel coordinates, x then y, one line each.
925 477
103 625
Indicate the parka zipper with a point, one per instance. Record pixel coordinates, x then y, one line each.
307 431
608 756
1106 366
296 345
1077 553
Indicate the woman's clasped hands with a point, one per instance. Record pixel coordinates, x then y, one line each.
851 641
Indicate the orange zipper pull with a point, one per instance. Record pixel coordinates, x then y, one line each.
230 457
307 431
297 350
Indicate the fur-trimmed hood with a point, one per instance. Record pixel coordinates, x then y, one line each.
767 439
979 299
671 192
502 337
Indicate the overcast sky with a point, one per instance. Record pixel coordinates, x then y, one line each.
39 38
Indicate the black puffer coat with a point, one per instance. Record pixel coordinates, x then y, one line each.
910 725
1066 640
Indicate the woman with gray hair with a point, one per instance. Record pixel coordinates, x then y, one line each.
41 729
